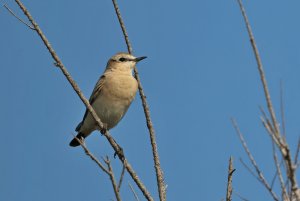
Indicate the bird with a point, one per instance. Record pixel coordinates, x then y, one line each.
113 93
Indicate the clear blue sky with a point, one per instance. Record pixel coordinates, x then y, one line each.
200 72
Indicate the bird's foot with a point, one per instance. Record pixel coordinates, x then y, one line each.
103 129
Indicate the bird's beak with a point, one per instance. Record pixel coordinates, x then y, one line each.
139 59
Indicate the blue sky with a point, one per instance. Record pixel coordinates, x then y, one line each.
200 71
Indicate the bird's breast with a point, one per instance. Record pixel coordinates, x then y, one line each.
120 87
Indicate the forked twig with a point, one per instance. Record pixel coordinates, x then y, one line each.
59 64
282 145
159 173
253 162
112 178
108 171
268 127
268 123
11 12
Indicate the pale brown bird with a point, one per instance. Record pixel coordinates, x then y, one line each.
112 95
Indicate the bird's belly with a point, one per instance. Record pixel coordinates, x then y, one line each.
111 110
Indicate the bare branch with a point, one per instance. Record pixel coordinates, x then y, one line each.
283 147
59 64
11 12
229 181
159 173
253 162
283 190
260 69
134 193
116 7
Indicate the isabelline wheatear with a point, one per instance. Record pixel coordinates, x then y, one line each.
112 95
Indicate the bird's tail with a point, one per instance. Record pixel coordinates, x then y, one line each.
74 142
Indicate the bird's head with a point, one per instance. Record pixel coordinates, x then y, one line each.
123 62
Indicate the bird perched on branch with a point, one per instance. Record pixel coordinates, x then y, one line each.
112 95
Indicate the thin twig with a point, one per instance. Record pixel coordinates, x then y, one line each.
113 143
282 111
275 174
253 162
270 129
121 177
159 173
250 170
229 180
273 180
11 12
267 126
297 152
241 197
134 193
112 178
267 120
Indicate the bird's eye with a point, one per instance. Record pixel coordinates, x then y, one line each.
122 59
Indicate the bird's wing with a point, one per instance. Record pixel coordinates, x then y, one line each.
95 94
97 89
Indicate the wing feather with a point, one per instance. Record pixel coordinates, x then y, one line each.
97 89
